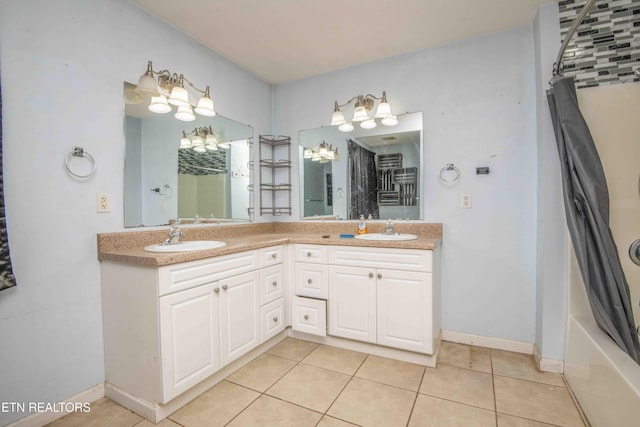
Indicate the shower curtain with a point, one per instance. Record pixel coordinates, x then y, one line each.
586 200
363 181
7 280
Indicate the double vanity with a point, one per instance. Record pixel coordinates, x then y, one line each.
176 323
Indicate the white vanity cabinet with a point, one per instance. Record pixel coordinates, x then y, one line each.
168 328
383 296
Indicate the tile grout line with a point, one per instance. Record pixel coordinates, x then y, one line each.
424 373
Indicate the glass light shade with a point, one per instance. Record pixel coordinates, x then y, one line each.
368 124
205 107
315 156
211 147
337 118
185 142
199 149
179 97
147 85
389 121
224 145
307 153
185 113
331 155
197 140
323 150
324 160
384 110
360 114
211 139
336 156
159 104
345 127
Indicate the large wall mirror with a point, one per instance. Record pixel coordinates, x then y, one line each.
163 181
378 172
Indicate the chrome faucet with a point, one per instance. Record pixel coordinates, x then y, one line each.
390 231
174 234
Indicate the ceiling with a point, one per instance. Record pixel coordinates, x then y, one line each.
285 40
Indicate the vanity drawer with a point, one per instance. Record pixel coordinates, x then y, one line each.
311 253
272 319
309 315
312 280
271 284
396 259
177 277
271 256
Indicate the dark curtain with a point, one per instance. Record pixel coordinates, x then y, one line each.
7 280
586 200
363 182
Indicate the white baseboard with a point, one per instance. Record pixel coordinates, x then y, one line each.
40 418
547 365
489 342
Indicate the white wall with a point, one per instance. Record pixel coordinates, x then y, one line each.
479 109
62 68
551 234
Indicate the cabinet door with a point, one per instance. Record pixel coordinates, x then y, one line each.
272 319
189 338
352 303
239 315
405 310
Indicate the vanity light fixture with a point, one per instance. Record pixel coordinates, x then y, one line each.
203 139
364 104
167 89
324 154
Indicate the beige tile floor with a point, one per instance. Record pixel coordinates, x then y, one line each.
298 383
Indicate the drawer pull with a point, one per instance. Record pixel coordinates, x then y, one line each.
306 317
370 275
379 276
309 281
273 256
216 290
274 283
275 319
308 254
224 287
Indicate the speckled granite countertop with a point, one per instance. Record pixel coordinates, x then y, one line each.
128 247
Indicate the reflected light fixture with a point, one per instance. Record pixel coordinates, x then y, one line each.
324 153
203 139
364 104
167 89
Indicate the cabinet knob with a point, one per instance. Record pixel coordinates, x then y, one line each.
275 319
274 283
216 290
309 281
306 317
308 254
370 275
274 256
379 276
224 287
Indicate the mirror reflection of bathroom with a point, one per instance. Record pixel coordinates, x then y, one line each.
163 182
376 174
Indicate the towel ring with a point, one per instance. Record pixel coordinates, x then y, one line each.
80 152
447 177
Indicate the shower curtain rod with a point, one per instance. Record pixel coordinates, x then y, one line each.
557 68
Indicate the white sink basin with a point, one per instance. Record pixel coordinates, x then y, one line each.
188 246
390 237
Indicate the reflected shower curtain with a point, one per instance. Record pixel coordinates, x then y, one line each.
363 182
7 280
586 200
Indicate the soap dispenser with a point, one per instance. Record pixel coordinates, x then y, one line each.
362 226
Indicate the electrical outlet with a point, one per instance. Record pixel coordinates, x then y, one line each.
465 201
104 203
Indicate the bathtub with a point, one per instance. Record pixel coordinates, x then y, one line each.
605 380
